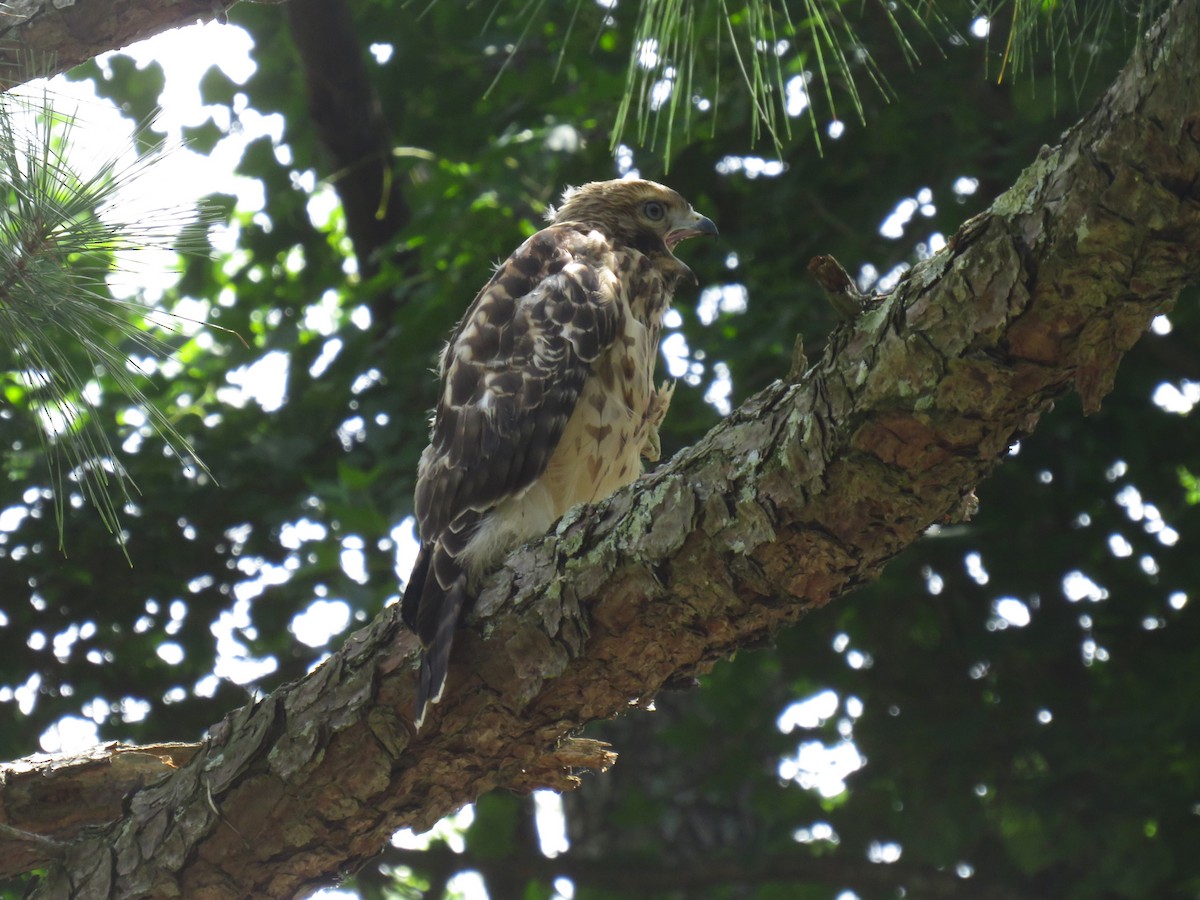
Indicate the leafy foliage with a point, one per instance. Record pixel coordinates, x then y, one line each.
1018 687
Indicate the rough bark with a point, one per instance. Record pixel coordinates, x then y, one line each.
805 492
45 800
45 37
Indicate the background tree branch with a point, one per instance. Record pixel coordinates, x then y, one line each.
347 115
806 491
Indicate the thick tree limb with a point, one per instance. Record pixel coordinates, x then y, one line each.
805 492
45 37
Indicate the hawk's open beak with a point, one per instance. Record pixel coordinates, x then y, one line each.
696 224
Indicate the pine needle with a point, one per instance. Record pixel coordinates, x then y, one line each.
61 238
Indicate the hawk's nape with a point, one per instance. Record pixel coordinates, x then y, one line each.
548 397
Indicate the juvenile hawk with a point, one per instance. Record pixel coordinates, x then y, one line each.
548 396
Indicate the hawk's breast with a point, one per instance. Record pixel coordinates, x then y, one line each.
617 414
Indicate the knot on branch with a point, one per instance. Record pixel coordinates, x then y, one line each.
848 301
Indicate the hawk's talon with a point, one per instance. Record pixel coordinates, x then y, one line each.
660 401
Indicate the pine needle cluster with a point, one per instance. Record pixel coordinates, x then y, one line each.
64 338
832 45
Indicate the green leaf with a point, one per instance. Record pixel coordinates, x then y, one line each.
217 88
202 138
1190 484
136 91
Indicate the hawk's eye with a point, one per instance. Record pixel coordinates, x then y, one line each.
653 210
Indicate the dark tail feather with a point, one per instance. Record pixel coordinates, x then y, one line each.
415 587
438 619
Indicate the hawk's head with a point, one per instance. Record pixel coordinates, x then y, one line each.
642 214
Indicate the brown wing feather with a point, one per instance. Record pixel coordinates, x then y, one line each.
511 375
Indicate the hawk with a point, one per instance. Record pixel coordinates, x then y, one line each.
548 396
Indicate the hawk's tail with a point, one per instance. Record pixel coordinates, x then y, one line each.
433 611
415 587
435 661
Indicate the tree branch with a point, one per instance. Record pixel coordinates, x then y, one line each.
805 492
44 37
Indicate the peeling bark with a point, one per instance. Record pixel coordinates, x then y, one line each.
45 37
805 492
